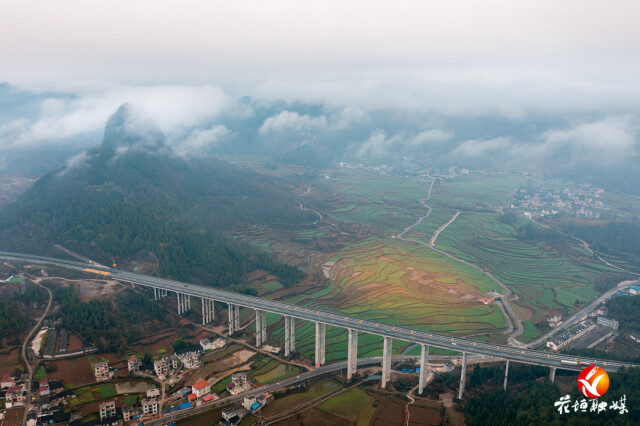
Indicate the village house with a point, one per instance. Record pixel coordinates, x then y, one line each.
149 406
133 364
201 388
44 388
101 371
107 409
153 393
7 382
161 367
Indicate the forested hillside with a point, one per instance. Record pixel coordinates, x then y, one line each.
133 196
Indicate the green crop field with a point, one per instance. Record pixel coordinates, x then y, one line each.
315 390
543 274
387 202
438 216
107 390
401 283
347 405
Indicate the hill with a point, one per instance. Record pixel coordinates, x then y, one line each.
132 196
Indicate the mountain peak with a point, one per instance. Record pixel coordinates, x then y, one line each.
127 128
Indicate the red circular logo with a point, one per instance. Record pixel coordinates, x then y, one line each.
593 381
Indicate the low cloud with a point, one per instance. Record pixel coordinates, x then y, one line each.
613 139
480 148
174 108
288 120
379 145
200 140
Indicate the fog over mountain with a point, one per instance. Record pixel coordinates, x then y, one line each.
582 139
541 85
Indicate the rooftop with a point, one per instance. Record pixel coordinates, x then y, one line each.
200 384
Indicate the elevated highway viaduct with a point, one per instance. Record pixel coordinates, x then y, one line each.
291 313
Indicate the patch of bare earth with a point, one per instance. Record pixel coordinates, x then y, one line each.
522 312
425 412
452 416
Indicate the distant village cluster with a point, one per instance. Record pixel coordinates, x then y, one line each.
579 201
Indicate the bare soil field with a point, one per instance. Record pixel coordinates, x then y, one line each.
155 342
74 343
73 371
206 419
522 312
315 417
389 412
453 416
425 412
14 416
9 359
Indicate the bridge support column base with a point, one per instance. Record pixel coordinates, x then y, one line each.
386 361
320 343
463 375
352 353
506 375
552 375
232 321
287 334
258 328
424 365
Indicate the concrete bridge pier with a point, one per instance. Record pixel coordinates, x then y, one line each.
463 375
552 375
163 293
211 310
292 337
506 374
352 353
320 343
287 335
386 361
232 318
180 304
236 319
155 293
259 325
424 364
207 310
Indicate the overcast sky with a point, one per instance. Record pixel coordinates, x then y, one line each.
389 75
54 43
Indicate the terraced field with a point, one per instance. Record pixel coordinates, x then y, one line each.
466 192
386 202
543 275
398 283
425 230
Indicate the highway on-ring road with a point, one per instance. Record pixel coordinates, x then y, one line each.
522 355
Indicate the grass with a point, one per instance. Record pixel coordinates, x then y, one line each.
543 274
221 385
347 405
41 374
131 399
313 391
270 371
107 390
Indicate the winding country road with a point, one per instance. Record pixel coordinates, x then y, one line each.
506 308
434 237
24 349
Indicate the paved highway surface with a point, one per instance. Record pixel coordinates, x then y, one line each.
522 355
